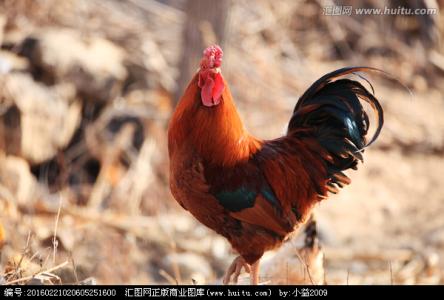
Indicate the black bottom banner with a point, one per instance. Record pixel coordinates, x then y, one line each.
233 291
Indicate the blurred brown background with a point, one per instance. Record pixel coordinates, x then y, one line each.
86 91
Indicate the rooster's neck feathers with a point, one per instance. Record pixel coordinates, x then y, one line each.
216 133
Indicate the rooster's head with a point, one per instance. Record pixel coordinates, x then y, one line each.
210 81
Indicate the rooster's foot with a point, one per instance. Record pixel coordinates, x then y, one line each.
235 270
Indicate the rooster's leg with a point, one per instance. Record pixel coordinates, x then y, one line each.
254 274
235 269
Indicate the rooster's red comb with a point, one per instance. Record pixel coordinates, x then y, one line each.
212 57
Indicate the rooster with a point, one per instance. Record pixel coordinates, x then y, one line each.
256 192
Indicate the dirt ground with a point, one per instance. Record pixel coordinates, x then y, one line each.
86 91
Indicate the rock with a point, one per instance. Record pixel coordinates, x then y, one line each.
93 64
45 118
17 179
88 281
190 265
10 62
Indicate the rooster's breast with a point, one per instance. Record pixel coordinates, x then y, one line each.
191 191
